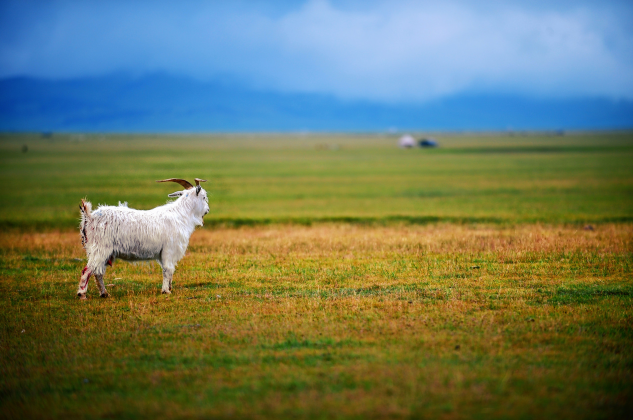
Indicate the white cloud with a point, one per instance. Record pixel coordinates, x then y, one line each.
381 51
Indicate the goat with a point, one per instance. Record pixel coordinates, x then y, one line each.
160 234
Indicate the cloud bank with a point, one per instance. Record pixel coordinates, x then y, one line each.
380 51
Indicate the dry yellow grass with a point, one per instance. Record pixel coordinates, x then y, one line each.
446 321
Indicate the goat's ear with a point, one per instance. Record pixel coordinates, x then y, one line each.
198 188
176 194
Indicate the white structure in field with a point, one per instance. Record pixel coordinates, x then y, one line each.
406 141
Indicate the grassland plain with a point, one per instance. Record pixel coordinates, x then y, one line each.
337 277
328 321
259 179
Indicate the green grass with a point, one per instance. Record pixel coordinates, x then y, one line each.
356 281
343 321
578 178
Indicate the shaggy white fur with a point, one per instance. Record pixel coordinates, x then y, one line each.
160 234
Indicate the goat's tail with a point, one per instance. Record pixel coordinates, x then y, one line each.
86 217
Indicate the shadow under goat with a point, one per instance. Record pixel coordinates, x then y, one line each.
161 234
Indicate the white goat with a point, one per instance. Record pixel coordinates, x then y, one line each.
160 234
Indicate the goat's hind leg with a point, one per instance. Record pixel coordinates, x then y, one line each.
99 278
102 290
167 276
83 283
88 271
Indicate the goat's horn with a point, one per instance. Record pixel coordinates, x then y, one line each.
198 181
182 182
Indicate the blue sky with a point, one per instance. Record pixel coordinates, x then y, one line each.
385 51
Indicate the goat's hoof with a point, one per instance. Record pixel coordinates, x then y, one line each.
81 296
104 295
166 292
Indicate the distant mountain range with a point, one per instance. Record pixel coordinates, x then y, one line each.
164 103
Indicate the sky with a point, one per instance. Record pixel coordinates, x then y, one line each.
386 51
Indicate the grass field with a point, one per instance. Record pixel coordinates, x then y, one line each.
337 277
573 178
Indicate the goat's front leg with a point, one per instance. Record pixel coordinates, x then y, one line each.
101 286
83 283
168 273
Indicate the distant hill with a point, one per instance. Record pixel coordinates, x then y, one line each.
164 103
